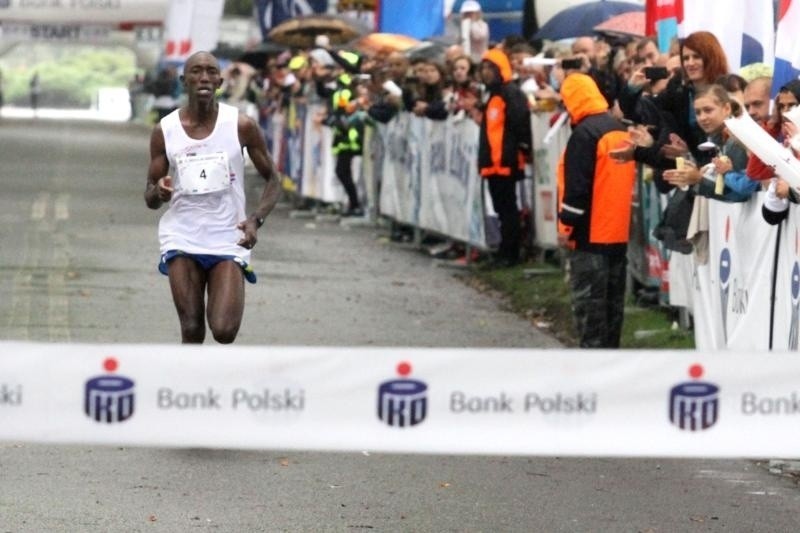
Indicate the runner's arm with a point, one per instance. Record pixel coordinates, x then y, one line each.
159 184
251 137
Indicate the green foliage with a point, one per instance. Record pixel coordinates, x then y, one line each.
239 8
70 76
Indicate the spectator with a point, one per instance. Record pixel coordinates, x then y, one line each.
35 87
505 139
735 85
712 106
164 90
703 61
647 52
595 210
474 30
389 100
465 92
348 132
429 101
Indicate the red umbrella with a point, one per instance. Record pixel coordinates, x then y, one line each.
629 24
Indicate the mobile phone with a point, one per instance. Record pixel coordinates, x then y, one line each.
656 73
575 63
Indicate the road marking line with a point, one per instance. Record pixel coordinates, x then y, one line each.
62 207
39 207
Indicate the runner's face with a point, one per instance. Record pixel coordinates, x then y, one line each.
201 77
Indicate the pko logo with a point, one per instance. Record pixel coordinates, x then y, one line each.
109 398
694 405
402 402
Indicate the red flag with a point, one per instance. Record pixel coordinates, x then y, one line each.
657 10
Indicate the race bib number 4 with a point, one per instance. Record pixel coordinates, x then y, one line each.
203 173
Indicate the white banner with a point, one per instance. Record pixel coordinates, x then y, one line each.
450 201
319 178
450 401
118 12
191 26
55 32
732 292
400 190
545 163
787 287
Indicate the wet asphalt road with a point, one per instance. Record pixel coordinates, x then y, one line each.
77 264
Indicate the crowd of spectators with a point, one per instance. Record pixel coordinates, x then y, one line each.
655 93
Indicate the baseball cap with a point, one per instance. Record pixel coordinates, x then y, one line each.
470 6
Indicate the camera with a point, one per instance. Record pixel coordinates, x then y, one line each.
656 73
575 63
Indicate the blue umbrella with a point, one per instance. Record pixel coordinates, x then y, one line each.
580 20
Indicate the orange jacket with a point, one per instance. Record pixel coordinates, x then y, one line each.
594 190
505 133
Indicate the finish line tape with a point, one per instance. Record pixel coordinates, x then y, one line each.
437 401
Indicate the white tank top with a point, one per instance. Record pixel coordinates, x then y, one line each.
204 209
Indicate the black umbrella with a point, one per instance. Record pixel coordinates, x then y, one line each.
428 50
228 52
580 20
258 56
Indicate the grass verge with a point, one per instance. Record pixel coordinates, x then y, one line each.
539 292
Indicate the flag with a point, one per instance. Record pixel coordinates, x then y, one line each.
273 12
787 44
417 18
191 26
758 45
744 28
662 18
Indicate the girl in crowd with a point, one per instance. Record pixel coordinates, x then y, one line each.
728 158
465 91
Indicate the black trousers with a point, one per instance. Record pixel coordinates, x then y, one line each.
503 191
598 297
344 171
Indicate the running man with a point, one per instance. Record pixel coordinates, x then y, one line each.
205 235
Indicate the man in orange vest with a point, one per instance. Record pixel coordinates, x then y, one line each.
595 212
505 139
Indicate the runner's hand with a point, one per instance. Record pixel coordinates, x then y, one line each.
250 230
164 188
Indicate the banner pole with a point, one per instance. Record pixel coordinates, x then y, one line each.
774 283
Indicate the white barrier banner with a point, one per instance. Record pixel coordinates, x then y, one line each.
450 200
545 163
319 178
451 401
400 189
732 293
787 286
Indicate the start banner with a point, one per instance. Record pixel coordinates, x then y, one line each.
402 400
